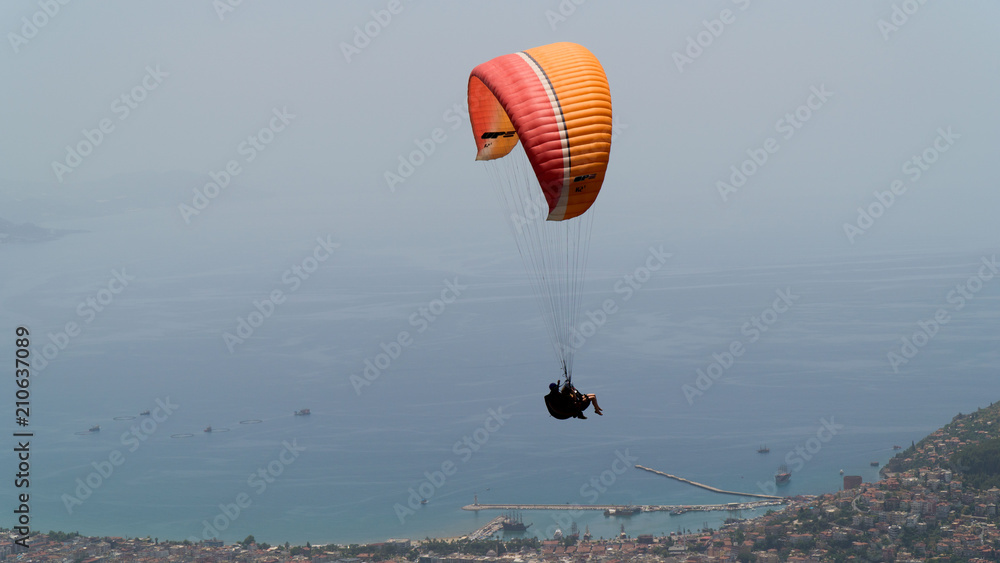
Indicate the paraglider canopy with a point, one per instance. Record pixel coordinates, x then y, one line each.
555 100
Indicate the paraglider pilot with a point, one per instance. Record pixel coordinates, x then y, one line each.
569 403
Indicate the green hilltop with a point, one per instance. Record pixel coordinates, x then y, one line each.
968 446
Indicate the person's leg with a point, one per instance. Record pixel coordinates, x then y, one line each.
593 399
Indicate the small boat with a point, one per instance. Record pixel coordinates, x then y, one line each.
144 413
873 464
897 447
208 429
95 428
763 449
423 501
302 412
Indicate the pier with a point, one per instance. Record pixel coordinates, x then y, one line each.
706 487
489 529
732 506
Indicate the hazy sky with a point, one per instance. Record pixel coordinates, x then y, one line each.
695 86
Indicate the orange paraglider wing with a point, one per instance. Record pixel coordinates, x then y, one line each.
555 100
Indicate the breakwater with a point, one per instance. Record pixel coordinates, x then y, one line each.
706 487
775 501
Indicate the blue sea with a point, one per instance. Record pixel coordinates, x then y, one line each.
455 412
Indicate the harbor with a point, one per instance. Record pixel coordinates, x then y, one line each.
497 524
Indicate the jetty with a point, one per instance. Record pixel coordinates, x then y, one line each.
489 529
732 506
706 487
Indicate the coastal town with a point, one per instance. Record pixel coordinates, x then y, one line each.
935 501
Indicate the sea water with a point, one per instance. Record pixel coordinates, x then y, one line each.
457 414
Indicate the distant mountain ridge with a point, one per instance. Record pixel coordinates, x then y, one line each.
11 233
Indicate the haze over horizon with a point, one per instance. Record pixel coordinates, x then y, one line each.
208 81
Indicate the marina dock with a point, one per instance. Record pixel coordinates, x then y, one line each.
706 487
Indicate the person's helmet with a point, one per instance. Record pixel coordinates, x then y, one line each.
553 386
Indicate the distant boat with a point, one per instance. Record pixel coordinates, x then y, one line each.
208 429
873 464
302 412
897 447
763 449
423 501
144 413
95 428
782 476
